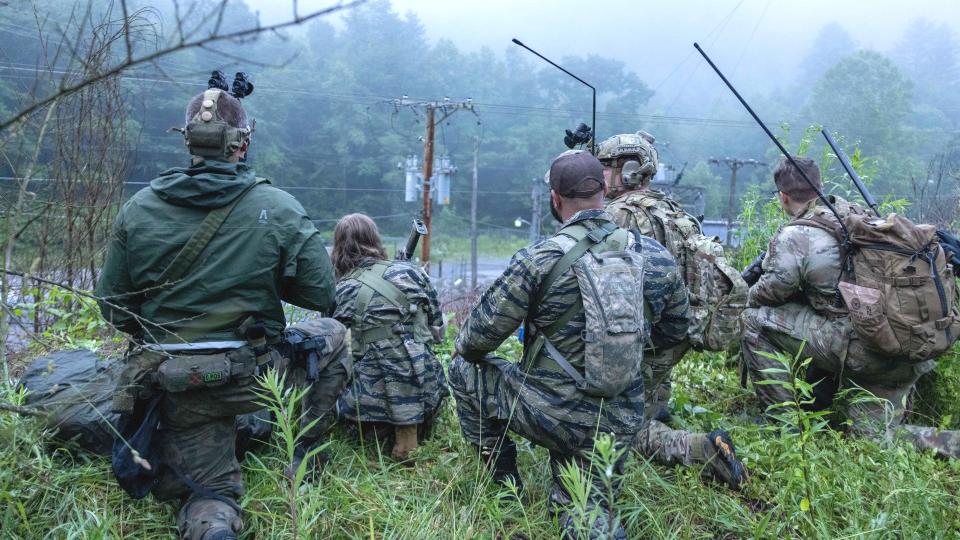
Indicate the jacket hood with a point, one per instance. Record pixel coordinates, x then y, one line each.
208 184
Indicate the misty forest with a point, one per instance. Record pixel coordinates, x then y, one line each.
343 97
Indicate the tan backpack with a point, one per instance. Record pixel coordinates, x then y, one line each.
895 281
718 293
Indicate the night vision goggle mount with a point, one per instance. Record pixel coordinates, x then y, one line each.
207 135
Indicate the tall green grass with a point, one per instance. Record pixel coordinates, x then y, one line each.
855 488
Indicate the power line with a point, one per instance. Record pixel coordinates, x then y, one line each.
292 188
370 99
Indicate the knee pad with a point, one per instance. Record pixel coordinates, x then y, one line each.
206 519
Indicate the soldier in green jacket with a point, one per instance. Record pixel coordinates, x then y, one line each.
394 317
264 251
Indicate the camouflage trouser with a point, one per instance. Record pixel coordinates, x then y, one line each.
490 403
665 445
198 428
402 385
334 369
656 377
833 348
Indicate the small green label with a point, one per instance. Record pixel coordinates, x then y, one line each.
213 376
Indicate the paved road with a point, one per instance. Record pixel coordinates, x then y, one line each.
457 274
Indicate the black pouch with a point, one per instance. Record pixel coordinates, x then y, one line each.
135 459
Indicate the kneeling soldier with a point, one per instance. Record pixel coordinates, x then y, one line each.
394 316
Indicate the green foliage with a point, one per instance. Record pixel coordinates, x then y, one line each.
859 488
760 219
936 401
75 319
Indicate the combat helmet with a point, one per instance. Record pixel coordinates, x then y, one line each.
633 159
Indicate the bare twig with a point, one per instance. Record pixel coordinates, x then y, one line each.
19 409
180 46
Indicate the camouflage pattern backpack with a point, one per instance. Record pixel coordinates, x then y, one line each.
896 282
610 278
718 293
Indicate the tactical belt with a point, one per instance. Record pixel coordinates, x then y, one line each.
194 347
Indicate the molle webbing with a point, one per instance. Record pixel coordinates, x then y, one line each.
371 280
587 239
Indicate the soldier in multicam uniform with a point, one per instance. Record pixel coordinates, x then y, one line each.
630 162
394 316
265 251
793 309
537 400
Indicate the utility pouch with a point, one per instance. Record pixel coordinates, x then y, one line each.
135 381
195 371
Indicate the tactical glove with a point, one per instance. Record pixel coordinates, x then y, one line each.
753 272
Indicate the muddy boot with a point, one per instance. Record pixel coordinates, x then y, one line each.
208 519
944 443
405 441
501 461
317 463
716 451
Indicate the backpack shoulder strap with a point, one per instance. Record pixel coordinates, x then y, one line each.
824 224
201 238
373 278
585 238
616 241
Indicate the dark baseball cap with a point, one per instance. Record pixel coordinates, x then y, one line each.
576 174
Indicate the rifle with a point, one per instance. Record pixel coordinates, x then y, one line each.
418 229
754 270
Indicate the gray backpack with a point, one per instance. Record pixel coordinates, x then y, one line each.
610 279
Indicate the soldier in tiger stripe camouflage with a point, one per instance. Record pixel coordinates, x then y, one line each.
535 399
398 381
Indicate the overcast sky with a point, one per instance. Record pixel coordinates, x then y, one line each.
654 38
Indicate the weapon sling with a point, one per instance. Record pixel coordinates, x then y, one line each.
201 238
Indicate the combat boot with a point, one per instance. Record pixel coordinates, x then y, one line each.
208 519
715 450
405 441
501 461
300 451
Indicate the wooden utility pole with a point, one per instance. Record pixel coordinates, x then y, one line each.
734 164
473 217
446 108
535 209
427 173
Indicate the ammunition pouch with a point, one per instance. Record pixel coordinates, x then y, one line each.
135 382
196 371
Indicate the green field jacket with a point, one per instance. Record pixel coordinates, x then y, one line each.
267 251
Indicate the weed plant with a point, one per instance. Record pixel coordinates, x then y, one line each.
854 488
